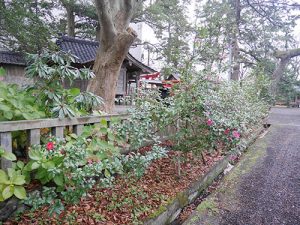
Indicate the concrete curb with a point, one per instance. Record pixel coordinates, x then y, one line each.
167 214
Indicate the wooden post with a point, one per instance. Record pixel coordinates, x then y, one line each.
6 143
58 132
34 137
78 129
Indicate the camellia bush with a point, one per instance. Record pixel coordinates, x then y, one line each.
205 115
233 111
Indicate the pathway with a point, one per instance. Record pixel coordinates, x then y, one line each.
264 188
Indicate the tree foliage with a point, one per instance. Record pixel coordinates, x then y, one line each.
21 21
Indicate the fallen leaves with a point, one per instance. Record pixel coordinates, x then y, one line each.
130 200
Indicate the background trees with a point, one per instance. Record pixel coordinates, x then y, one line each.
21 21
228 38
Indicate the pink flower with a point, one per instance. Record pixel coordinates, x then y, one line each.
233 158
90 161
50 146
227 131
236 134
209 122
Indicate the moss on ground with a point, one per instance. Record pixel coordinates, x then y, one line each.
159 211
209 206
225 197
183 199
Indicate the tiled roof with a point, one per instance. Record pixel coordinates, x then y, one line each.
14 58
84 50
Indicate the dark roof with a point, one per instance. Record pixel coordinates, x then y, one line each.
176 76
14 58
86 51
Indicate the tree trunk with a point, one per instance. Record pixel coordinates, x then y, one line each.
69 7
277 74
284 57
70 21
107 69
116 37
235 74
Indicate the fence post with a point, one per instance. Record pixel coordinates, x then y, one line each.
78 129
34 136
58 132
6 143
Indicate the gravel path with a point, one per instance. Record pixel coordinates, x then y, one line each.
264 189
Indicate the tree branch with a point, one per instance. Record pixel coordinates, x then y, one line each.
106 22
262 15
287 54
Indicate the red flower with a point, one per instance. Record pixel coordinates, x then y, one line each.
50 146
227 131
209 122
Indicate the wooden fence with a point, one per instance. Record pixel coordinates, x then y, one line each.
57 126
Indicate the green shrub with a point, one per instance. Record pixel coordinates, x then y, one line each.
51 71
17 104
12 180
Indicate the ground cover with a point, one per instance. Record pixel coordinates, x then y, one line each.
130 200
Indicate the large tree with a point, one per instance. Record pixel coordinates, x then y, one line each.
116 37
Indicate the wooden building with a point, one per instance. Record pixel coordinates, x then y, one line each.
85 52
14 64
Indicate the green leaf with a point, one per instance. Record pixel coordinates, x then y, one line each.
35 165
8 115
20 192
48 165
18 180
73 136
11 172
20 164
41 173
103 130
9 156
4 108
111 137
107 173
74 91
28 166
3 177
59 180
2 72
103 122
8 192
35 155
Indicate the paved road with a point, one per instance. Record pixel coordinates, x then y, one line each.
264 189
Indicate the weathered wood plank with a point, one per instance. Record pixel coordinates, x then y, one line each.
34 136
58 132
6 143
45 123
78 129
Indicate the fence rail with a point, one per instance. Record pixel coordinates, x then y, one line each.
57 128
